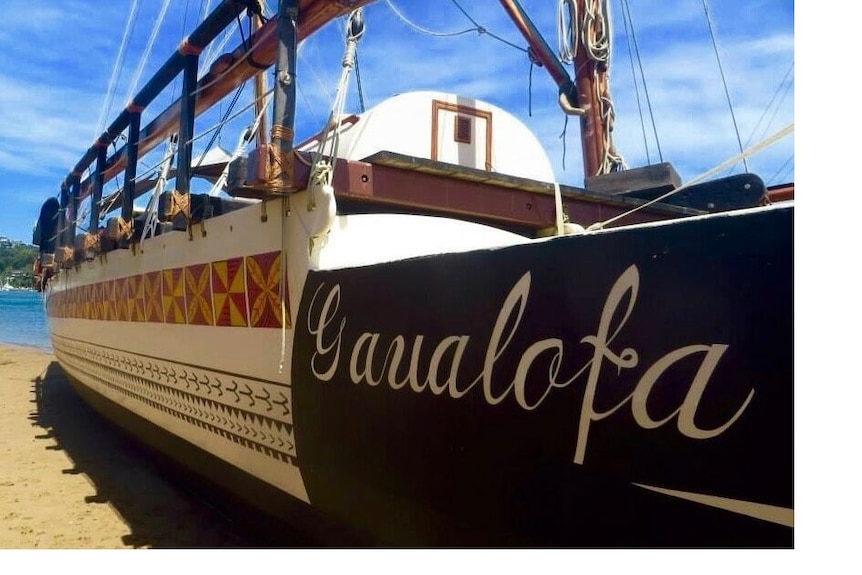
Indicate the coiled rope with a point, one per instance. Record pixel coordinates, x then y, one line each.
592 31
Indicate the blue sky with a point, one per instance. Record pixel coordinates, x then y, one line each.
57 58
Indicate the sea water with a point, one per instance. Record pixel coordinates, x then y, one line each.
22 319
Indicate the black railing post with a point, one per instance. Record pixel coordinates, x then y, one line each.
180 210
74 203
98 184
126 222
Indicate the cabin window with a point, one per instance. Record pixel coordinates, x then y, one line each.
463 129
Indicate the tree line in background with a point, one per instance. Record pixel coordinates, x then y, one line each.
16 265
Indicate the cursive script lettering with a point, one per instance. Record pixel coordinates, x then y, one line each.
327 314
539 364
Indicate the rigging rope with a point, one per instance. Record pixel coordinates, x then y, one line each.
118 64
783 89
567 37
482 30
635 83
422 30
476 26
724 80
245 138
152 215
148 50
221 124
324 156
213 51
359 85
597 31
592 31
246 56
763 144
788 163
204 10
316 220
108 202
628 18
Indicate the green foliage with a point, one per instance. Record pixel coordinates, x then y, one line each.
16 264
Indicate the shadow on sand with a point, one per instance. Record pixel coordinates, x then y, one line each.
157 502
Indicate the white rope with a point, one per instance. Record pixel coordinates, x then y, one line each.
212 52
567 30
148 50
612 159
284 289
763 144
205 133
124 43
205 9
597 19
83 216
246 55
155 168
322 169
241 146
152 219
317 218
419 28
558 208
593 30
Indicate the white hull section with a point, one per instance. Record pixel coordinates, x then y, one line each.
188 333
149 341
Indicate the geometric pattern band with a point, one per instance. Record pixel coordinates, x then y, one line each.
237 292
255 414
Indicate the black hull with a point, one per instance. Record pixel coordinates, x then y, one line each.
683 334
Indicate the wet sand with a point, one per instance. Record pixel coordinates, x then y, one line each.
70 480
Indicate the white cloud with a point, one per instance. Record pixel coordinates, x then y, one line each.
57 59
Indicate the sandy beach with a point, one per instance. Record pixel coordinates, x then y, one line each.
68 480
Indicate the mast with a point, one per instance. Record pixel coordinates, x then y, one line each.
280 169
260 83
581 97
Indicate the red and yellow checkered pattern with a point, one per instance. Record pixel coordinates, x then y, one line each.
237 292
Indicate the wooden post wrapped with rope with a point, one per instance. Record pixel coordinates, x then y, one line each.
120 230
279 172
178 209
89 245
74 204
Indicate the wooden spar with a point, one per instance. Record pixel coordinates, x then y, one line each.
577 98
258 52
542 51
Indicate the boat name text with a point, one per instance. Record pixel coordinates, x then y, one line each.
443 373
